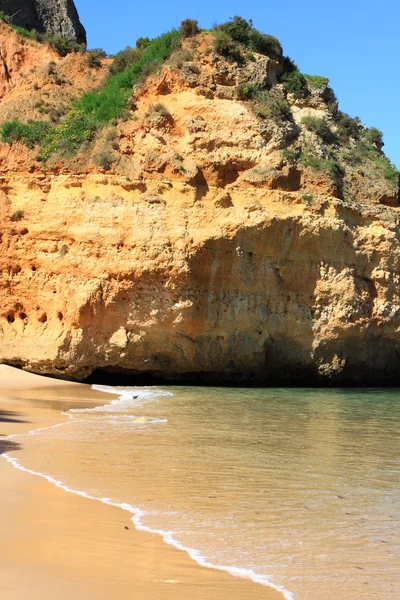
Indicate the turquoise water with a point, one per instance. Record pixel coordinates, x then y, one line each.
299 487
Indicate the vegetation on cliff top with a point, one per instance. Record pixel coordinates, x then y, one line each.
328 143
231 36
96 109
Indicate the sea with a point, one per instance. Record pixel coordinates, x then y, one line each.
294 488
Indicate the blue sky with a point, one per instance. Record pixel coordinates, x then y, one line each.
356 44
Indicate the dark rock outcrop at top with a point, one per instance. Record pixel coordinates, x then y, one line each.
58 17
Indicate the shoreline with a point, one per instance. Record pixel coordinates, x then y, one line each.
90 549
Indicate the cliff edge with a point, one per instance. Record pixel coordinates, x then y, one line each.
229 223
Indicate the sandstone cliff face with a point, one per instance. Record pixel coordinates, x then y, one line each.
201 253
101 274
46 16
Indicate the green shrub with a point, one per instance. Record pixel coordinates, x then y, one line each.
161 110
30 133
291 154
374 136
390 173
313 162
242 31
330 99
265 44
368 155
62 45
238 29
296 84
320 127
335 170
359 153
272 105
189 28
348 127
94 57
142 43
124 59
245 91
32 35
224 46
5 18
329 166
316 82
288 65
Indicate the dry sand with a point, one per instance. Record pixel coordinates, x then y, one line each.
56 545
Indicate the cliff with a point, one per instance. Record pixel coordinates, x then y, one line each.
46 16
196 237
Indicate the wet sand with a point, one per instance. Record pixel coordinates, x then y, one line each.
58 545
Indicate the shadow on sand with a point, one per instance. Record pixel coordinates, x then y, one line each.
7 416
9 446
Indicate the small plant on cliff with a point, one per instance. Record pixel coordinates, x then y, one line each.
374 136
5 17
320 127
246 91
124 59
17 215
295 83
272 105
371 159
63 250
30 133
52 68
330 166
104 159
94 58
161 110
348 127
226 47
62 45
189 28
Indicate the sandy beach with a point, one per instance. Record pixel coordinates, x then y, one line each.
56 544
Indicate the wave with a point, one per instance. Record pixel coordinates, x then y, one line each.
127 398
